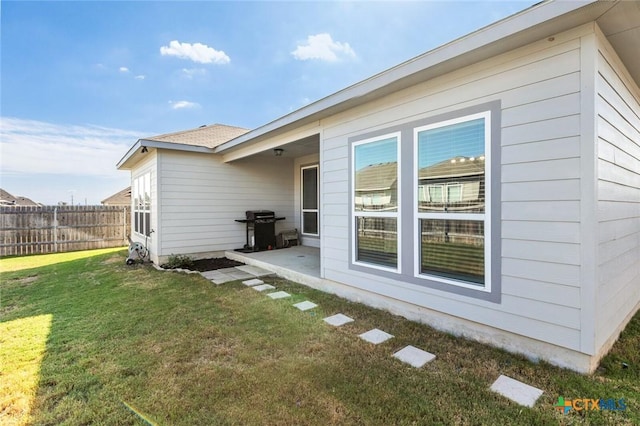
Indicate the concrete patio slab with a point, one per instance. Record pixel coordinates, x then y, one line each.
516 391
338 319
252 282
278 295
254 270
305 306
376 336
263 287
414 356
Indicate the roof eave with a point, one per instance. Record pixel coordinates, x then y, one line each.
133 155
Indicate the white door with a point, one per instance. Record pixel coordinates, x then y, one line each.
310 200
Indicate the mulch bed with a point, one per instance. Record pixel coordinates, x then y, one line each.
212 264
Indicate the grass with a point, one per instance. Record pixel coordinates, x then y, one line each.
92 341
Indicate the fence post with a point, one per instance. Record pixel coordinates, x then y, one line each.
55 229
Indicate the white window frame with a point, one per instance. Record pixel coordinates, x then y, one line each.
316 210
139 189
483 217
381 214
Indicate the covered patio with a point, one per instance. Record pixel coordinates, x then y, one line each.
299 263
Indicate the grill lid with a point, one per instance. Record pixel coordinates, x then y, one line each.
259 214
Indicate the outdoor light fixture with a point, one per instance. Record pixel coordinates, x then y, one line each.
144 149
278 152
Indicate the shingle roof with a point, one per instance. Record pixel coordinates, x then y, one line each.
208 136
7 199
376 177
120 198
454 167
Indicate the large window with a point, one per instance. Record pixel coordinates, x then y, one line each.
452 201
142 204
376 201
310 200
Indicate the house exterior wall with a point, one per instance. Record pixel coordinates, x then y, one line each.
148 165
618 196
201 196
538 87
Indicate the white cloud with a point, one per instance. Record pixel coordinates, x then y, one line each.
183 104
196 52
124 69
322 47
140 77
193 72
32 147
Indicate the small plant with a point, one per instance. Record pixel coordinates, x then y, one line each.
176 261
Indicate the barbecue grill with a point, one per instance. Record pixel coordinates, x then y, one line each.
260 229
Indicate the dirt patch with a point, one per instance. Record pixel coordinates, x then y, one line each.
27 280
212 264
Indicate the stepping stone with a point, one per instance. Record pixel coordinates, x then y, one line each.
305 306
240 275
338 319
376 336
254 270
227 270
210 275
252 282
516 391
278 295
263 287
222 280
414 356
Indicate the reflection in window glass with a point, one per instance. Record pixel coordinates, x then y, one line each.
377 240
452 249
451 164
376 176
375 201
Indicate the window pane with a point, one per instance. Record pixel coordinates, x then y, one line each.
377 241
376 176
309 223
453 249
136 225
451 166
310 188
147 191
147 224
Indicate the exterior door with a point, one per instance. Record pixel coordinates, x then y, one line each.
310 200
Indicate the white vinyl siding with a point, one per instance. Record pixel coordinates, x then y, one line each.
539 89
618 188
201 197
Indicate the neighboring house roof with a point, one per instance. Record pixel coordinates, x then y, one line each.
7 199
202 139
619 21
120 198
454 168
208 136
376 177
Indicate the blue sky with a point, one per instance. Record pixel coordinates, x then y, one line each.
82 81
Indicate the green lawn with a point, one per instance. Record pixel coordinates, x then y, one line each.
89 340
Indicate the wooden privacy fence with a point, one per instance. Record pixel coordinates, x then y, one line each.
52 229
